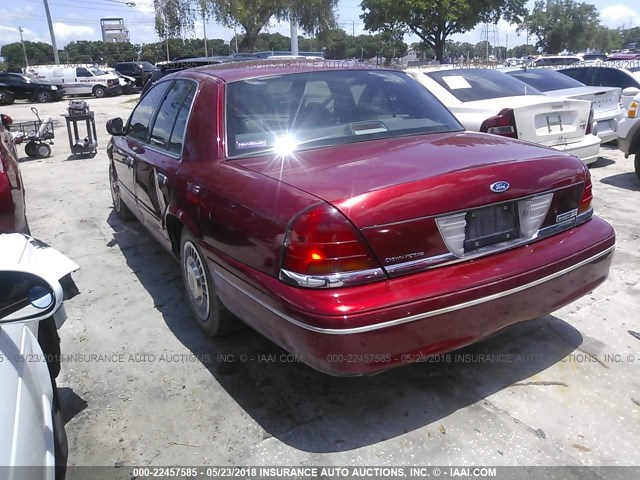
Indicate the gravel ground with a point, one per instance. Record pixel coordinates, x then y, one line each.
559 390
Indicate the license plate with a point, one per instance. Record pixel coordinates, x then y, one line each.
491 225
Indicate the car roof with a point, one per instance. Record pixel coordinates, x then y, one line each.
236 71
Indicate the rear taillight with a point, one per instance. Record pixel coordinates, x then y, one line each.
323 249
587 196
504 124
589 128
632 111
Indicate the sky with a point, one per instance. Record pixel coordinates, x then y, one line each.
80 20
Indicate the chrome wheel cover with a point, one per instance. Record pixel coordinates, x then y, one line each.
196 280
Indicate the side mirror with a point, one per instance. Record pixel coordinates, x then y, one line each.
25 297
115 127
630 91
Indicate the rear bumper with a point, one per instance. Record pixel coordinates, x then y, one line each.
628 131
370 328
586 150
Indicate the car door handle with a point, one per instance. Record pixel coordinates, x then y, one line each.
162 179
130 161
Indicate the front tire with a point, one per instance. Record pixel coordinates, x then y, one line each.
43 96
98 92
636 163
121 209
211 315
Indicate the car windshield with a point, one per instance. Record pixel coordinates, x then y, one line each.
147 67
97 71
545 80
471 85
283 113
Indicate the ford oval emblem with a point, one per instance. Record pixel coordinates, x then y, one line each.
500 186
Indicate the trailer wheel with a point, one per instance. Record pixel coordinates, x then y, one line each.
31 149
98 91
43 150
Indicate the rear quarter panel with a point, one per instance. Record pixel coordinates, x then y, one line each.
241 216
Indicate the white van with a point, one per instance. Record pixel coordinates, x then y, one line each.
78 79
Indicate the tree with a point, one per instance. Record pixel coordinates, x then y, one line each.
563 25
313 16
435 20
37 53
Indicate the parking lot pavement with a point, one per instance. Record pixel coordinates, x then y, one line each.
142 386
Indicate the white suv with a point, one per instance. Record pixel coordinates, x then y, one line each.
629 133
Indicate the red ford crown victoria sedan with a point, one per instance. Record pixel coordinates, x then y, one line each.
345 214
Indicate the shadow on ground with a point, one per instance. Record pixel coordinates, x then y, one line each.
317 413
627 180
601 162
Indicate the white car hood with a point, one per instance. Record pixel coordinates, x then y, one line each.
27 254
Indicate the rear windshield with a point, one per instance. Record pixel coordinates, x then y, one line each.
546 80
305 110
471 85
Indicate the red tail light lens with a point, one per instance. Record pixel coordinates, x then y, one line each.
321 242
589 129
587 195
503 124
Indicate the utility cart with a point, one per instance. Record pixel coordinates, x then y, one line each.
37 135
79 113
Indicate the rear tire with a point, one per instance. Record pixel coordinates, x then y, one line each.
210 314
98 92
7 98
121 209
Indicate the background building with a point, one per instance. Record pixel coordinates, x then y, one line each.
114 30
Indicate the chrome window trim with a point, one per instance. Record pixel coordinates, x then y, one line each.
411 318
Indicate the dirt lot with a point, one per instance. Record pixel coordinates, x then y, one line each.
559 390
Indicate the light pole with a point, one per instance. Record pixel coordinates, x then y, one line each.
53 35
24 49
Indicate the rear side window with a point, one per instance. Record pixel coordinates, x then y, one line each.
477 84
545 80
584 75
610 77
140 119
171 120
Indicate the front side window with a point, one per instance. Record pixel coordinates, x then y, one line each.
83 72
140 119
471 85
322 108
168 129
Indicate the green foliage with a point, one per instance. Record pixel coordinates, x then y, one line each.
435 20
564 25
313 16
37 53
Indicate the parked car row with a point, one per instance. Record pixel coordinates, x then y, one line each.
47 83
